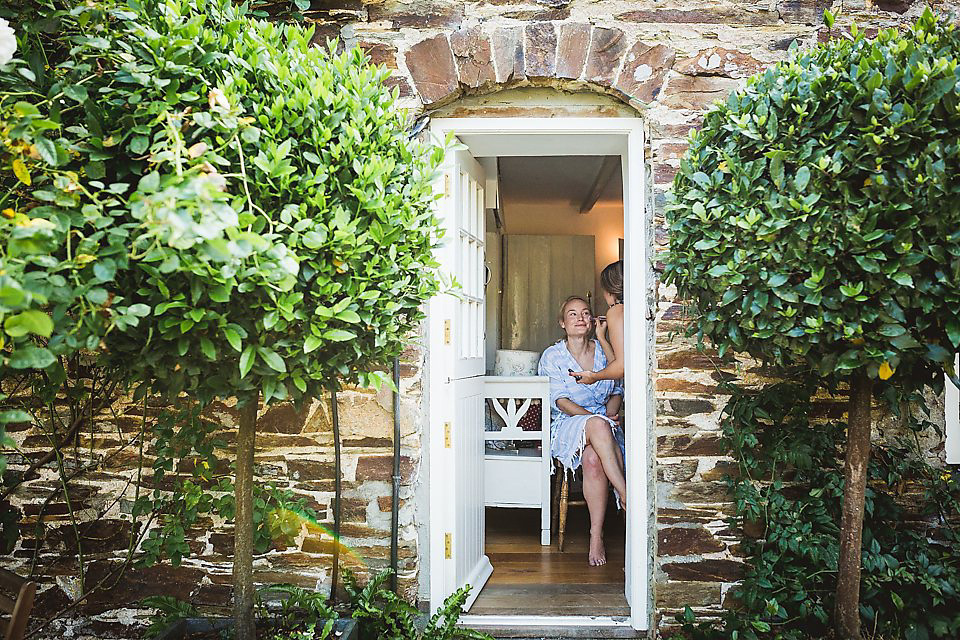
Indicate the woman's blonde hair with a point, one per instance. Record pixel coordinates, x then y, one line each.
611 279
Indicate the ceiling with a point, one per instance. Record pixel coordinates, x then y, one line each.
566 179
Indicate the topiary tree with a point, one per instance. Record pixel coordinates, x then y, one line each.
816 220
253 203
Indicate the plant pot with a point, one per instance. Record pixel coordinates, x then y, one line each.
343 628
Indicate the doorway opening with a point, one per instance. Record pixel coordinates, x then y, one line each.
558 221
542 250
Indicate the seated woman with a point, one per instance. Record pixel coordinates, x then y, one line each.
583 418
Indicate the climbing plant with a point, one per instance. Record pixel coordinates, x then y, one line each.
816 219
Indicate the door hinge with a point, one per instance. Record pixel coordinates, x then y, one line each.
448 546
447 436
446 184
446 332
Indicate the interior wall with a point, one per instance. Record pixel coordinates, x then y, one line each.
604 222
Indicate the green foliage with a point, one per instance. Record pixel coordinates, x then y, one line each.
383 615
192 479
168 611
297 605
788 494
209 202
300 614
816 215
303 615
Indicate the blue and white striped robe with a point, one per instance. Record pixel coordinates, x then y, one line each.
568 433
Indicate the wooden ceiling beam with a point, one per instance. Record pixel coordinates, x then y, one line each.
607 169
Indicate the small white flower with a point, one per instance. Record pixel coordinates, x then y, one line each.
216 97
8 42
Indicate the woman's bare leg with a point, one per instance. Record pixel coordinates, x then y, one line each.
596 490
601 438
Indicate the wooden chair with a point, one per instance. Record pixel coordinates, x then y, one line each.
18 609
561 501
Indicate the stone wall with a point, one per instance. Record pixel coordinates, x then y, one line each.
294 451
667 60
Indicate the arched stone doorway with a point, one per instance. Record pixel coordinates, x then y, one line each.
527 121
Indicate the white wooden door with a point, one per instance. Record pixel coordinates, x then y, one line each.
553 137
467 564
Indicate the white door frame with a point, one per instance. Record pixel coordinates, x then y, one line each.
542 137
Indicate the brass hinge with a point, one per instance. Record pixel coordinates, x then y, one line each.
448 545
446 332
447 437
446 184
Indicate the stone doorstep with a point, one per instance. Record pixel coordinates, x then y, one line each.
552 633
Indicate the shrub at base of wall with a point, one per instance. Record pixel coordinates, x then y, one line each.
788 490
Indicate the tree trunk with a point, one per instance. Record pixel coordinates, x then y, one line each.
847 612
243 593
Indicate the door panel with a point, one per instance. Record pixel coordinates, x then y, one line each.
468 181
467 562
472 566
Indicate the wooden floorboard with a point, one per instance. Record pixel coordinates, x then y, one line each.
534 580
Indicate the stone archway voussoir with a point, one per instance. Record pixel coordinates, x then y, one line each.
574 54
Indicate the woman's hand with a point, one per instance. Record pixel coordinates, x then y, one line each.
584 377
602 328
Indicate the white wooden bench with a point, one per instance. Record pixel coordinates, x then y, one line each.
518 478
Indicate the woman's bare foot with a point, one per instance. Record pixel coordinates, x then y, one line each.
598 553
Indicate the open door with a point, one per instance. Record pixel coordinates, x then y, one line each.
461 366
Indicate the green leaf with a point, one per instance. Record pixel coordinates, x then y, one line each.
904 279
719 270
96 170
220 293
272 359
339 335
897 600
104 270
210 351
246 360
233 338
802 179
891 330
828 18
31 357
936 353
250 135
47 150
15 416
776 169
36 322
299 383
348 315
777 280
311 343
851 291
701 179
76 92
905 341
953 331
139 144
